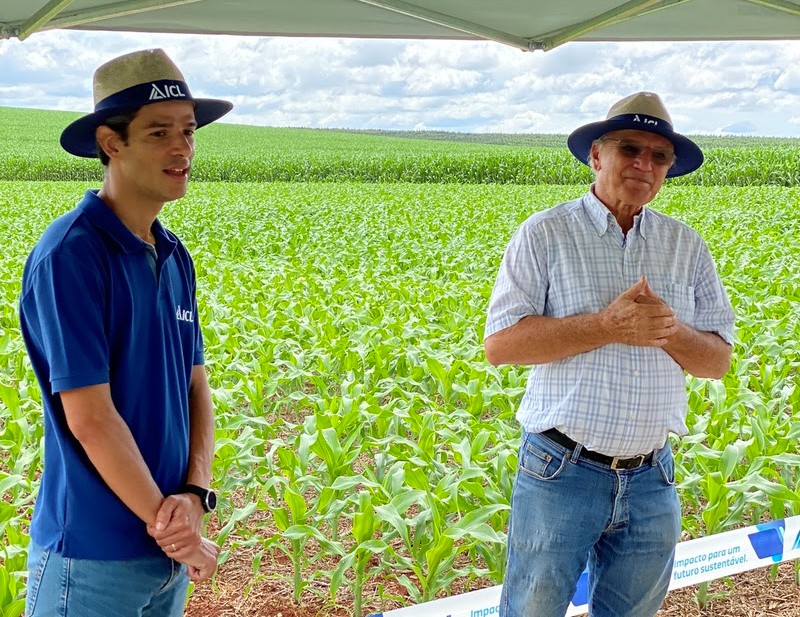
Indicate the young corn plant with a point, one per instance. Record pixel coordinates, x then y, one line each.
364 545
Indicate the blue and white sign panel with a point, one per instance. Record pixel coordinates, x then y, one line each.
696 561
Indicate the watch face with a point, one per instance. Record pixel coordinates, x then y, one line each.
211 500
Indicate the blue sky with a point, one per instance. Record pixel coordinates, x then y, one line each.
708 87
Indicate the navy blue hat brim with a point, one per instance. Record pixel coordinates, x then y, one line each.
688 156
79 137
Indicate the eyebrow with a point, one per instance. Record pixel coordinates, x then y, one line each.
157 124
634 142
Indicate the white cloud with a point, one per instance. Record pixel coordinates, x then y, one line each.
521 122
457 85
789 79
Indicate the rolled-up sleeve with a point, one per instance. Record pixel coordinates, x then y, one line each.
521 286
713 311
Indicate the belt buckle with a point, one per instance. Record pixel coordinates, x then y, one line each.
628 462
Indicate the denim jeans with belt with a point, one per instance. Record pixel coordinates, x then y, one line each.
568 512
64 587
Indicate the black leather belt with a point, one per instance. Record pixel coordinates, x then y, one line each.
614 462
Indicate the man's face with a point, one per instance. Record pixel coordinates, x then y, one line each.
157 158
631 166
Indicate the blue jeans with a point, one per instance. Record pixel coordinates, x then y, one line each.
65 587
567 512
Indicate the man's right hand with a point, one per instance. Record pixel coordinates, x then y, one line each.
639 317
202 562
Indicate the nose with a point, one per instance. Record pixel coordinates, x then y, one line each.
182 144
644 160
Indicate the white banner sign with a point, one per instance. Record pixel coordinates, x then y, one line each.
696 561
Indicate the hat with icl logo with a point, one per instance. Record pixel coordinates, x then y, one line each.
641 111
129 82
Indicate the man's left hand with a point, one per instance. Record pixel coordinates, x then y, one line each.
178 525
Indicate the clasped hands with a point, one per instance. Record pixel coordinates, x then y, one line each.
177 531
638 316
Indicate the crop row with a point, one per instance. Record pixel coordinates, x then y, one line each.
234 153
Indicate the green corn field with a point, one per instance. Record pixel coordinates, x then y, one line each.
343 283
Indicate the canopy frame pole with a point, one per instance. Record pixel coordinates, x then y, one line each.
41 17
110 11
624 12
454 23
779 5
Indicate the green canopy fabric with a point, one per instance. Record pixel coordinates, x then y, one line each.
526 24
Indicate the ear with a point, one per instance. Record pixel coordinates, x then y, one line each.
109 140
594 156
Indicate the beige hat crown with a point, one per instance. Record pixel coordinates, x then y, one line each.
131 70
128 82
645 103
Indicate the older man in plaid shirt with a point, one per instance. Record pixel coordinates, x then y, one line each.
612 303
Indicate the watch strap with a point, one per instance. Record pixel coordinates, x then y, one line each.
202 493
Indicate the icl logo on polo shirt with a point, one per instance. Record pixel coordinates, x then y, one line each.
184 315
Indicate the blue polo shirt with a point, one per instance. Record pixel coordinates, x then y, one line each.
93 310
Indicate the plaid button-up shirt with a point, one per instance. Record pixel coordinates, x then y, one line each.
620 400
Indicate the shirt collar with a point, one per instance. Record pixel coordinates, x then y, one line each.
600 216
640 221
103 217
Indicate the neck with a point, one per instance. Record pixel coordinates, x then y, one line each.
138 216
623 212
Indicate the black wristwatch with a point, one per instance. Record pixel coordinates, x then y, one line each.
207 497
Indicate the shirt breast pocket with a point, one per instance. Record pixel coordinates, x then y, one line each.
680 298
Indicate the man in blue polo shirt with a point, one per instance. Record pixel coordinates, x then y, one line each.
612 303
109 317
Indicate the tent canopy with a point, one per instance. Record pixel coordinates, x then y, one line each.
526 24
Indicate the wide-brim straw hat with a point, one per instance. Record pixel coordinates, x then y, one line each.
641 111
129 82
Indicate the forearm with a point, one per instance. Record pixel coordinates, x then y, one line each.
181 515
119 462
110 447
538 339
702 354
201 429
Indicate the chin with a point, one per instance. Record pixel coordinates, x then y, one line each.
640 197
174 195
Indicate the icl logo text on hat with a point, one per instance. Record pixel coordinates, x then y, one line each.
168 91
636 118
